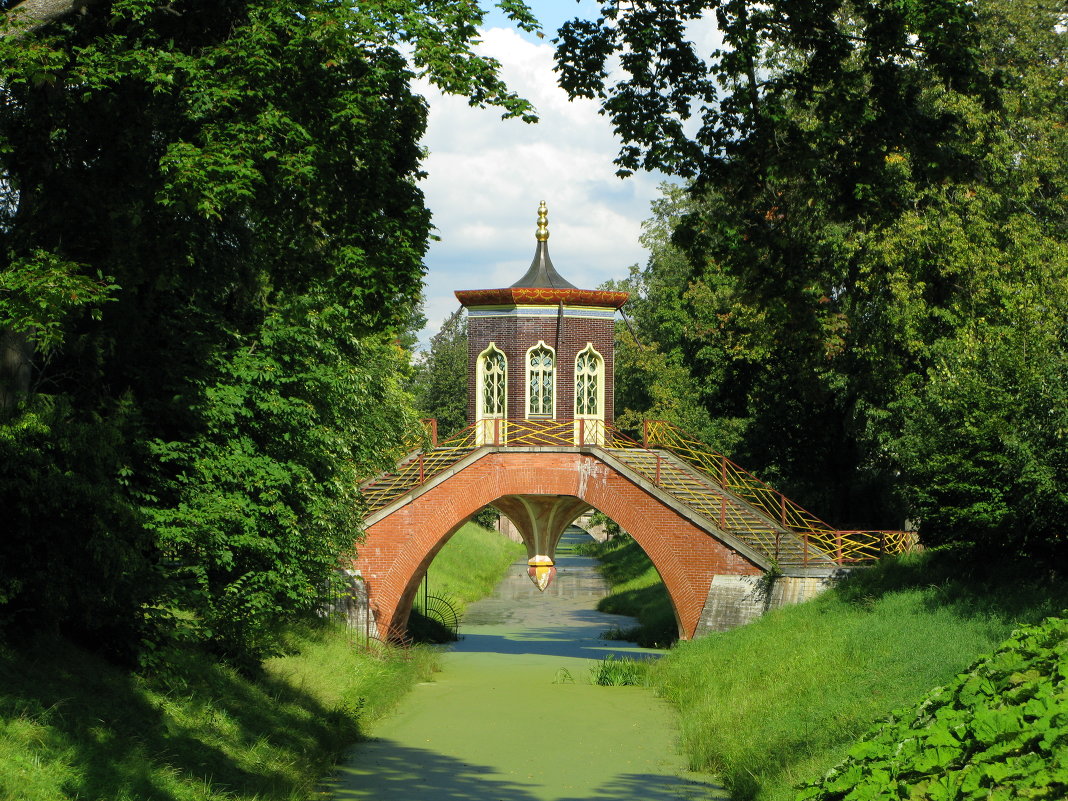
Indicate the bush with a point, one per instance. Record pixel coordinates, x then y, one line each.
999 731
621 671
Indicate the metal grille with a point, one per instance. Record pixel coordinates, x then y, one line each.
587 372
540 381
494 378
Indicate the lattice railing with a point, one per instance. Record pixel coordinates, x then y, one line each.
815 536
843 546
422 465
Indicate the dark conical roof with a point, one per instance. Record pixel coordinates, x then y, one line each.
541 285
542 274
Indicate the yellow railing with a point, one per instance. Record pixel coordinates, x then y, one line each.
744 491
842 546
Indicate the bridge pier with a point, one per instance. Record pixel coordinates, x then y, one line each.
541 520
736 600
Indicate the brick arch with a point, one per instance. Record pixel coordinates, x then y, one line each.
400 546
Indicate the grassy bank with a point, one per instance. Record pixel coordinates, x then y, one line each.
635 590
780 701
73 726
471 564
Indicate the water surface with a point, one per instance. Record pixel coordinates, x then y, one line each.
513 715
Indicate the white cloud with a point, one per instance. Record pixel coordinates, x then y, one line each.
487 175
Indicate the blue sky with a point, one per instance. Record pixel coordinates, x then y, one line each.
486 177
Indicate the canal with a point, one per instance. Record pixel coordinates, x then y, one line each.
514 716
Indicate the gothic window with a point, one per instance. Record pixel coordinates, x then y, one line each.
493 383
540 381
588 383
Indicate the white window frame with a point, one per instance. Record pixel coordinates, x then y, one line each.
598 390
589 428
551 415
480 385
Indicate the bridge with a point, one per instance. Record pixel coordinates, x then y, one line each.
542 448
710 528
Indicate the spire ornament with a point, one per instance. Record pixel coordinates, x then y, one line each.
542 274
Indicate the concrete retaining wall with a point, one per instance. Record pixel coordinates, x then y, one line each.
736 600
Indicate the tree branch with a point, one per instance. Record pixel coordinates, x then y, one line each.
30 15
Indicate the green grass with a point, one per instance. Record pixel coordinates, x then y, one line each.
780 701
635 590
620 672
471 563
73 726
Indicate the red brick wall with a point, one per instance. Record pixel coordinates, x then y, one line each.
515 335
399 548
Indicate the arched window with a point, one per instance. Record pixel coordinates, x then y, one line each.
541 381
492 383
589 383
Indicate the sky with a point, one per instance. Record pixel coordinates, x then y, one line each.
486 177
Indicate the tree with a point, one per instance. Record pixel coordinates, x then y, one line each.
875 186
213 231
440 380
652 376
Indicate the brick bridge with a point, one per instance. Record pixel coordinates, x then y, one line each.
710 528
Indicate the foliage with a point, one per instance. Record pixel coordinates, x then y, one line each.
613 671
439 382
72 725
211 234
997 731
983 440
38 292
59 479
487 517
672 312
783 699
611 527
877 200
636 590
469 566
266 498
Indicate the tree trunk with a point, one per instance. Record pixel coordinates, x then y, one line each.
16 353
30 15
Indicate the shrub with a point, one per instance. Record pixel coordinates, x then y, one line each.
1000 731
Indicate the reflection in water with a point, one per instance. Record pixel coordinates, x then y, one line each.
500 724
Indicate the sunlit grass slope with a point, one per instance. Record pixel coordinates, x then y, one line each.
780 701
73 726
635 590
471 564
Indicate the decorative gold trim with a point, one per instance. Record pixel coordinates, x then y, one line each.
543 223
534 296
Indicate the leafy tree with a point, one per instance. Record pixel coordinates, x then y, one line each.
440 380
875 187
212 233
671 310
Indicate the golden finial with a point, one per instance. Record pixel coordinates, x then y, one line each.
543 223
